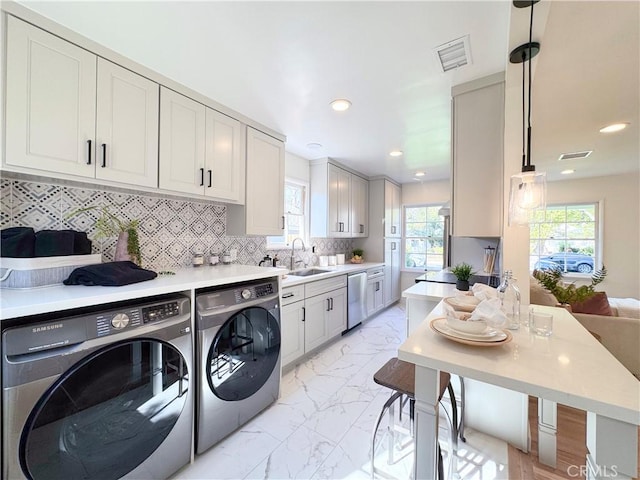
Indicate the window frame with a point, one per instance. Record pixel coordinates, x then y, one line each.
598 236
424 268
274 245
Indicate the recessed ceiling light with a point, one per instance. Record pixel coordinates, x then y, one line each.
567 172
395 153
340 104
314 146
615 127
419 174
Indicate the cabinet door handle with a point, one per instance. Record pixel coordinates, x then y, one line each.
331 303
210 178
377 286
393 229
328 304
287 295
304 314
104 155
393 245
283 222
88 152
361 228
341 226
202 177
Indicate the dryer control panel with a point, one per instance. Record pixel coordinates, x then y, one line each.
252 292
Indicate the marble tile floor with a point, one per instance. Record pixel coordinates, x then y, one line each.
320 428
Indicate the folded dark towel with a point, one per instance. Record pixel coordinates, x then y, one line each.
17 242
51 243
112 274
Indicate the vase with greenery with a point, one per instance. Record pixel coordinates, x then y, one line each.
109 225
463 272
357 255
568 293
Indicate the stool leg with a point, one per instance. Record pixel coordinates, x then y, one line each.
392 432
386 405
454 414
461 426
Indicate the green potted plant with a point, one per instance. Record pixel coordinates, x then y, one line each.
463 272
357 255
109 225
568 293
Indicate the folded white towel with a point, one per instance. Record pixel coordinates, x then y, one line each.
483 292
490 310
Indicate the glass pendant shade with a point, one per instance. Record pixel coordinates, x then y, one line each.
528 194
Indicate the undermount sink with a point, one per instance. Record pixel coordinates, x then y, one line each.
308 271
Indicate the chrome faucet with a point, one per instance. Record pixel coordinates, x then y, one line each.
293 252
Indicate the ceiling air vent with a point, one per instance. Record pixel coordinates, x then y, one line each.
575 155
454 54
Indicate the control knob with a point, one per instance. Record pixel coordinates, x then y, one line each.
246 294
120 321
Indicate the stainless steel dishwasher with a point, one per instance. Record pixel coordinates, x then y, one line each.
356 299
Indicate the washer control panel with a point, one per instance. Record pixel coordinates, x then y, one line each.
253 292
160 312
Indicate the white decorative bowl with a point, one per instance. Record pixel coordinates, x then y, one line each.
467 326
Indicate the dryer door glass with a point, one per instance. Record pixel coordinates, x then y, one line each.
243 354
107 414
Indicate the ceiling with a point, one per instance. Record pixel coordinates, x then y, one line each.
282 63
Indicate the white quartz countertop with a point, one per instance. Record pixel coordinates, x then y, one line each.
333 271
22 302
571 367
430 291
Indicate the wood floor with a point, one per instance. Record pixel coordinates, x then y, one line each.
571 448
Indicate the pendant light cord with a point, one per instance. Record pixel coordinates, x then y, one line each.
529 96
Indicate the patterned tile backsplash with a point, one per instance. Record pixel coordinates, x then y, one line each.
170 230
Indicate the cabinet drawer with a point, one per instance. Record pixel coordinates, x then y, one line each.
321 286
292 294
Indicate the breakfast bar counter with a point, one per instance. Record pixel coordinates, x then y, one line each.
570 367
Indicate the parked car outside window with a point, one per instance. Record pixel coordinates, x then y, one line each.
568 262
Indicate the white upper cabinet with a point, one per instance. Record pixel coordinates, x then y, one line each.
263 212
339 202
478 138
51 102
127 126
182 143
70 113
201 150
359 206
392 223
339 197
224 158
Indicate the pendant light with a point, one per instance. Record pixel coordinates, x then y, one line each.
529 188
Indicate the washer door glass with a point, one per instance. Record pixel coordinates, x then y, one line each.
243 354
107 414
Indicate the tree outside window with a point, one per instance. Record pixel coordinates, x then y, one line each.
565 237
423 238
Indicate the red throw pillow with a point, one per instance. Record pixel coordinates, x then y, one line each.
596 305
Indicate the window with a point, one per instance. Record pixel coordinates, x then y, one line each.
423 238
296 207
565 237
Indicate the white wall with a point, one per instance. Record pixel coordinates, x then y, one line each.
620 197
426 192
438 191
296 167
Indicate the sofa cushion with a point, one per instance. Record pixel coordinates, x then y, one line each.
598 304
538 295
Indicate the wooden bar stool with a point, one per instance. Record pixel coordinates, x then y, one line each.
399 376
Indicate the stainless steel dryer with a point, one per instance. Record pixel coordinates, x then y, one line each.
105 394
238 352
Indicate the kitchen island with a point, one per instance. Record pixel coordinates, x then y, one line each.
570 368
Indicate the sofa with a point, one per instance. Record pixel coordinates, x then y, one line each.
618 332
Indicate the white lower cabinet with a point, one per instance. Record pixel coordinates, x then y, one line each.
375 295
309 323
